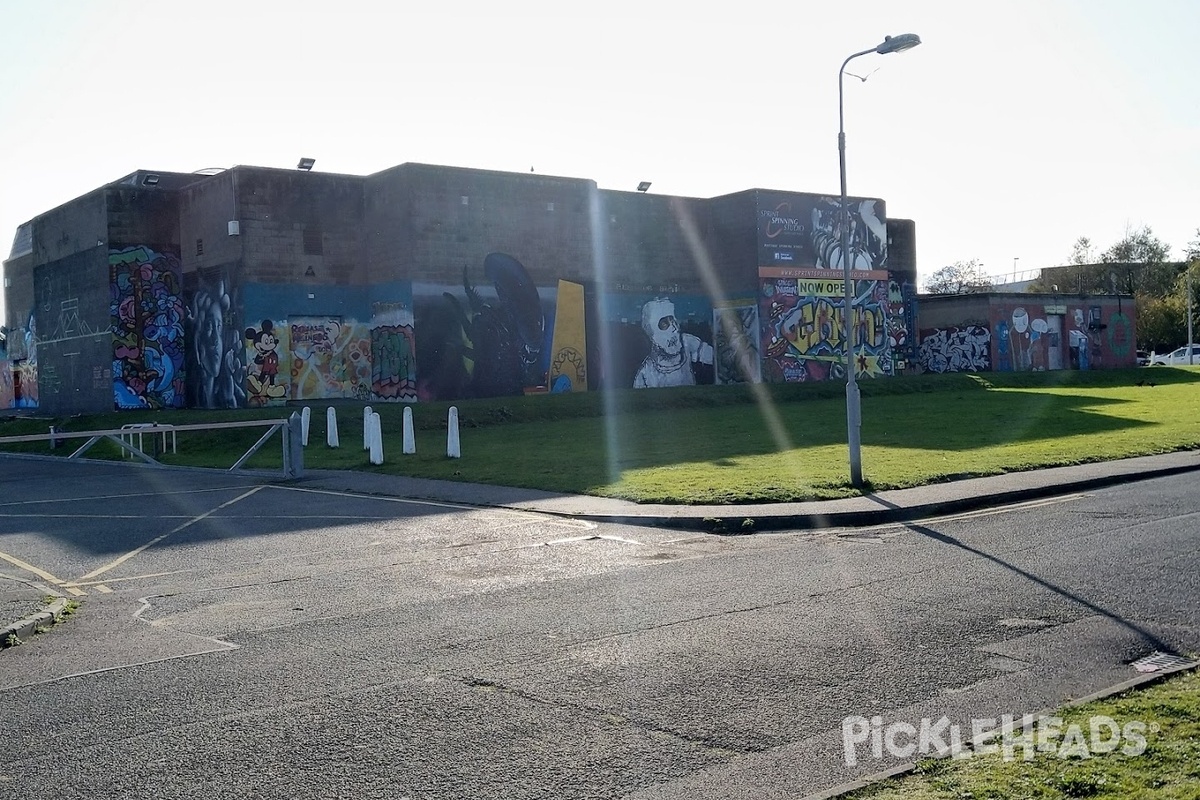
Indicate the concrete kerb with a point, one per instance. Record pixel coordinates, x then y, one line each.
24 628
734 523
901 770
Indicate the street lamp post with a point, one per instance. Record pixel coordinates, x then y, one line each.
890 44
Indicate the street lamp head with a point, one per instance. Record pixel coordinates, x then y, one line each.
898 44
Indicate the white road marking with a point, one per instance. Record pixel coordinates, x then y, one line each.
133 553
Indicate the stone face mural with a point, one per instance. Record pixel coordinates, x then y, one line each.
957 349
803 320
214 367
147 328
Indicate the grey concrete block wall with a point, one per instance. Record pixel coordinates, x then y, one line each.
74 332
143 216
18 292
654 243
205 211
434 221
300 227
81 224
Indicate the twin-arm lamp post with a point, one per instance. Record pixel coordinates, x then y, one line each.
890 44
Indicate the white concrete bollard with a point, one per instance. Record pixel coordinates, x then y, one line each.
452 446
331 434
376 440
367 428
305 416
410 441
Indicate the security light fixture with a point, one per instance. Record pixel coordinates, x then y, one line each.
644 186
150 180
306 164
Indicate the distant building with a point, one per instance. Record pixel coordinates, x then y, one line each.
257 286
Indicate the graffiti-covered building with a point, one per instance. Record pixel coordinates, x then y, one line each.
255 286
1002 332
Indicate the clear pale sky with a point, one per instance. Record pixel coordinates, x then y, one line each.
1016 127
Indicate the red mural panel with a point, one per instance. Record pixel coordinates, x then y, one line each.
1034 334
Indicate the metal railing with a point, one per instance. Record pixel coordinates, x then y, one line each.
293 449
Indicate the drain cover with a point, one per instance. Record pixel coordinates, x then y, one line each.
1158 662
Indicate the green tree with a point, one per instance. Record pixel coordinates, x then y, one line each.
961 277
1139 263
1161 324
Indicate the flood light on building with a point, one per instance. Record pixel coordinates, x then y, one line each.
306 164
644 186
150 180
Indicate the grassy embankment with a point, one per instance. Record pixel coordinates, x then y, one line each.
729 444
1168 769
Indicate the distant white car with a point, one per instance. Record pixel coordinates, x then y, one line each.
1177 358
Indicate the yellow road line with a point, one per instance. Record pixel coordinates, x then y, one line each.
41 573
102 589
133 553
76 592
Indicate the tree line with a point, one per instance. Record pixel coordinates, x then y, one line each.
1139 264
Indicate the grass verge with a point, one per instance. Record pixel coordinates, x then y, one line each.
1167 769
737 444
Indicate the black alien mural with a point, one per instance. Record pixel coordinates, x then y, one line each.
487 348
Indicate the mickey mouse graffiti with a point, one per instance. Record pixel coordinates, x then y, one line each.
264 365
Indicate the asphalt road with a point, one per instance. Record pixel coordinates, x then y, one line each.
240 639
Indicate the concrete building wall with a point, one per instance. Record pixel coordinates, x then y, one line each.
300 227
417 282
205 210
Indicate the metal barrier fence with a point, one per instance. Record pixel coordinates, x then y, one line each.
293 449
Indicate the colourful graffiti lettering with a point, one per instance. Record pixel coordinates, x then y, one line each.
393 363
803 336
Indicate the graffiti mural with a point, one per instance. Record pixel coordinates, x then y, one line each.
654 340
331 358
22 354
804 230
393 353
8 396
673 353
803 326
902 319
958 349
268 372
147 313
488 341
735 327
568 351
215 372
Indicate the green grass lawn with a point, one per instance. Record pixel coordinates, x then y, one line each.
731 445
1168 769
